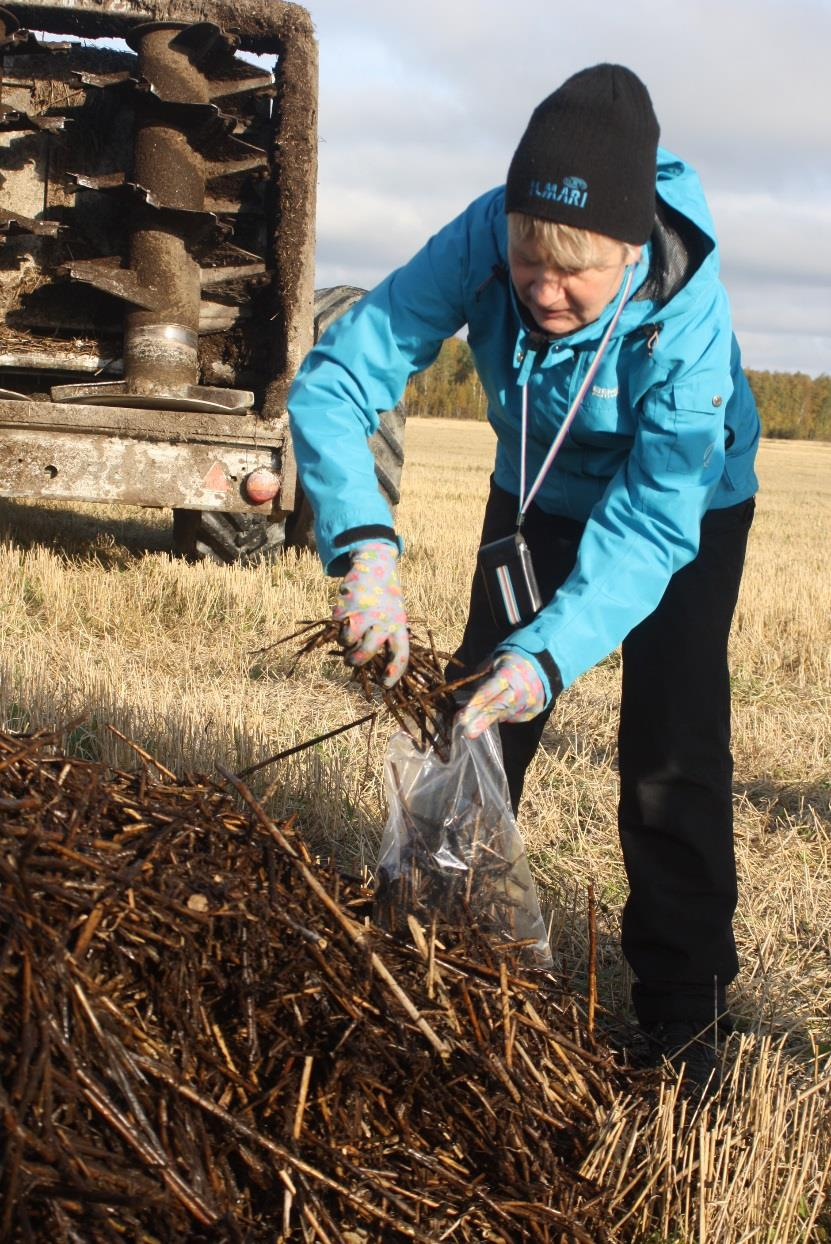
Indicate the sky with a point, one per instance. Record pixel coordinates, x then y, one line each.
422 105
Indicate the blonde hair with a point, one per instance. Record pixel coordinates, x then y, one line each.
564 246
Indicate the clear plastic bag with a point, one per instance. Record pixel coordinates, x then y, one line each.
451 845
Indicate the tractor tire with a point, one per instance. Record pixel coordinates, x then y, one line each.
249 538
387 444
227 539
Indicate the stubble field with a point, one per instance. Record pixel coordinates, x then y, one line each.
98 625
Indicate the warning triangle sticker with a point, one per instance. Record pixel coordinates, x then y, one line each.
216 479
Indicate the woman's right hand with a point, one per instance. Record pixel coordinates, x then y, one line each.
371 609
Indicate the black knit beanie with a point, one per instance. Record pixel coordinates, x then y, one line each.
588 156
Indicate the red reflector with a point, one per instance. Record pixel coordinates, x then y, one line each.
261 485
215 479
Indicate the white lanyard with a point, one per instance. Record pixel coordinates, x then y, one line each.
525 501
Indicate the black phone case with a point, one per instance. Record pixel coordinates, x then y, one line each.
510 582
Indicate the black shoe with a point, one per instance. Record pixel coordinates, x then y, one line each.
690 1049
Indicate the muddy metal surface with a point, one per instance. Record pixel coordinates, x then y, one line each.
156 221
97 453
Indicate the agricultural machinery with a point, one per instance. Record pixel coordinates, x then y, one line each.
158 166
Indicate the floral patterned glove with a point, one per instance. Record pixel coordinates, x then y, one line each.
513 692
371 609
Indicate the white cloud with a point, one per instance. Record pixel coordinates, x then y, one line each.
763 236
422 105
765 351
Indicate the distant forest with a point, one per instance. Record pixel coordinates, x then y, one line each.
791 405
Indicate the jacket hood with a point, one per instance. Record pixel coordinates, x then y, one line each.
679 187
684 253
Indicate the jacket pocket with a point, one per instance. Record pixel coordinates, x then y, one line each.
696 434
739 473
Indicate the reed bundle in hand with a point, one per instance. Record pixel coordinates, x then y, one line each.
422 701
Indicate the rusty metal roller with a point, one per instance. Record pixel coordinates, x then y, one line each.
14 120
180 138
15 40
12 223
12 37
210 50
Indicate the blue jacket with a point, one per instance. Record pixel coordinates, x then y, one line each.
668 430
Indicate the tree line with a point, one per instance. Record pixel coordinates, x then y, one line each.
791 405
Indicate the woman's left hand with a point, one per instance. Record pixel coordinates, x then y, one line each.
513 692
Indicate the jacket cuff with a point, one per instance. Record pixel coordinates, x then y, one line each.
339 529
545 667
344 544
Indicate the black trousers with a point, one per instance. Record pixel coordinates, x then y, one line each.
675 811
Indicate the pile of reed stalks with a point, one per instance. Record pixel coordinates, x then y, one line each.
204 1036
